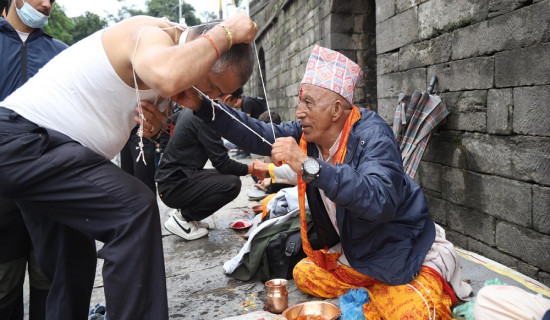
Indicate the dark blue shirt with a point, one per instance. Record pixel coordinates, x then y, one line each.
20 60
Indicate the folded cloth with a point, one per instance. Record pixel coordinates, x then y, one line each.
285 201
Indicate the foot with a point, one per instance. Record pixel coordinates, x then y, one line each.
184 229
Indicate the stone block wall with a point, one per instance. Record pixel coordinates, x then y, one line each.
486 172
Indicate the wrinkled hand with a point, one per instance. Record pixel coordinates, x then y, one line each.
189 98
259 169
263 184
154 121
242 28
288 151
260 165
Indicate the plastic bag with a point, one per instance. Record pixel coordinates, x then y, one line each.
466 310
351 304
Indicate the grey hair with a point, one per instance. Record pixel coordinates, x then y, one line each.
239 59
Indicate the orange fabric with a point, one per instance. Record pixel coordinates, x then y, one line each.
265 201
328 261
386 301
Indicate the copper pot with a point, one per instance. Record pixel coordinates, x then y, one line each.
277 296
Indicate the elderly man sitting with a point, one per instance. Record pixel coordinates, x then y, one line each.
372 218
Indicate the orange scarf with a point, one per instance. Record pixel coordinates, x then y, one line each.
327 261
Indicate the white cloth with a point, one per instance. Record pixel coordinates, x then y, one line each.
23 35
79 94
329 204
509 303
284 174
442 257
285 201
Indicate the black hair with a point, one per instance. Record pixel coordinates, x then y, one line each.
237 93
239 59
5 4
275 117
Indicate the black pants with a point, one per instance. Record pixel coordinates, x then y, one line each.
145 172
16 255
70 196
199 193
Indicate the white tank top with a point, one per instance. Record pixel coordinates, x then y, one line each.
78 93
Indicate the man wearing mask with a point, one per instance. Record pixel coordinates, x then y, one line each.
24 49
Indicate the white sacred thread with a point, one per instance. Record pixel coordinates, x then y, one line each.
428 291
425 302
263 86
142 117
232 116
140 110
214 104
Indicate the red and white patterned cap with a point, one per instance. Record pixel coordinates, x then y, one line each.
332 70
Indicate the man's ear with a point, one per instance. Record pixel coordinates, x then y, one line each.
337 109
226 98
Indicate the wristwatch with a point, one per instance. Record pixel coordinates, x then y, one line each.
310 169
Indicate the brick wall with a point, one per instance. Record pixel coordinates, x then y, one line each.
486 172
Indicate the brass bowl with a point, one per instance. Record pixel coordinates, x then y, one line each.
328 310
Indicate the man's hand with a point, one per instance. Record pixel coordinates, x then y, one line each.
242 28
288 151
189 98
154 121
258 168
263 184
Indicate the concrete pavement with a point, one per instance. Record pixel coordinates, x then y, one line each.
199 289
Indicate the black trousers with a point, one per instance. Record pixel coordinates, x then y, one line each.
199 193
145 172
70 196
16 255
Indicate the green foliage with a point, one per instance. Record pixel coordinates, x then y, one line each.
71 30
59 25
208 16
126 12
87 24
170 10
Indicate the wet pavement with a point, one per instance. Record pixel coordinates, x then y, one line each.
199 289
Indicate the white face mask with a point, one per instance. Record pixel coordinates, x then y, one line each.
31 17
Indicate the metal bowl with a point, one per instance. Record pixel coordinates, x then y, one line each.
328 310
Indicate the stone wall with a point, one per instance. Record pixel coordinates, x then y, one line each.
486 172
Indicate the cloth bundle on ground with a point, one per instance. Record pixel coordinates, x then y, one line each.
274 246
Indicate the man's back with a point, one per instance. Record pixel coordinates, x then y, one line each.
254 106
192 145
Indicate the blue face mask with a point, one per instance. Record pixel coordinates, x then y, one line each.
31 17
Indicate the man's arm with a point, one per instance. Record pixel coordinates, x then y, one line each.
217 153
168 68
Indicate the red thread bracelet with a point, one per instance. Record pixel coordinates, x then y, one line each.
207 36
